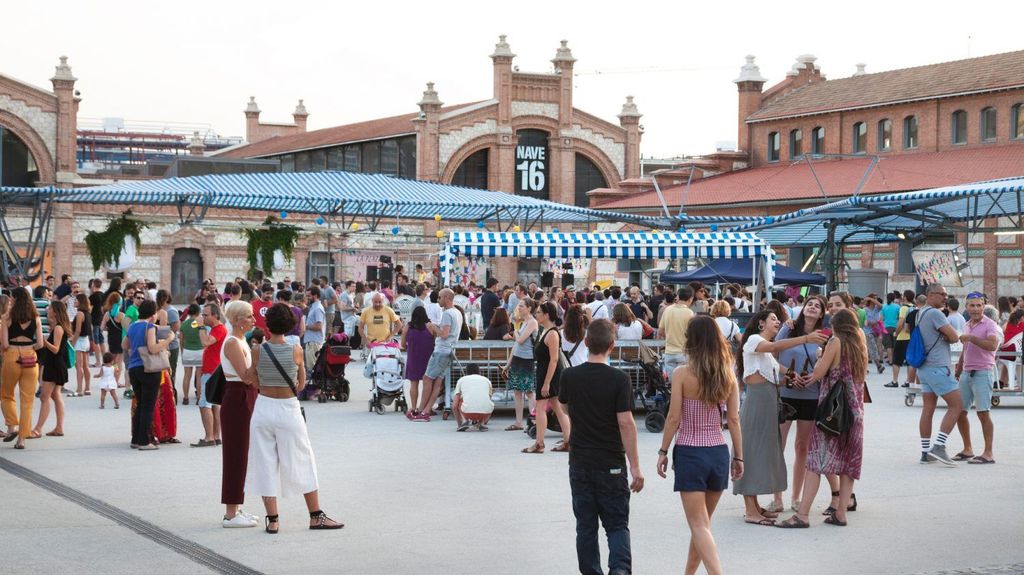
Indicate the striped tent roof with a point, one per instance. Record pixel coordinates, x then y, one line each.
608 245
351 194
879 218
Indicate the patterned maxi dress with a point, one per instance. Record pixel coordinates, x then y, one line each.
839 455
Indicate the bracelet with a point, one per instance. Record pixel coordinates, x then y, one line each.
737 459
662 452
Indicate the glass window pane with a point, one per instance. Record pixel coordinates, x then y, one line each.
318 161
407 158
910 132
860 137
371 158
884 135
472 172
389 157
302 162
818 143
334 159
796 144
588 177
287 163
773 147
988 124
352 163
1016 122
959 127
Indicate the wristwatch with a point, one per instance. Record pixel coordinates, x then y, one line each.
662 452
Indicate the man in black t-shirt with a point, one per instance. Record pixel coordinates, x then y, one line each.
489 302
600 404
96 300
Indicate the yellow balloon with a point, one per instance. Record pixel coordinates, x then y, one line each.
515 229
439 234
355 226
437 217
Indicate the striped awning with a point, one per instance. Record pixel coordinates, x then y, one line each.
608 245
345 193
883 217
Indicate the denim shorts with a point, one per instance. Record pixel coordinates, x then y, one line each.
937 380
701 468
672 361
202 391
976 388
97 335
439 364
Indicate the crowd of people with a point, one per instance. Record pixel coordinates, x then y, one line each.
261 339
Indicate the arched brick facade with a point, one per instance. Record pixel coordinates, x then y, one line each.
35 144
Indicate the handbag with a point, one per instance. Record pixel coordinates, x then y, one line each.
284 376
786 411
27 361
834 416
215 386
154 362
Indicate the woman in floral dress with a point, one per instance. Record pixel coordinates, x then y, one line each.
845 359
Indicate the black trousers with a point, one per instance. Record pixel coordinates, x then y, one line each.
145 386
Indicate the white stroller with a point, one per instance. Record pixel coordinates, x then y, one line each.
387 375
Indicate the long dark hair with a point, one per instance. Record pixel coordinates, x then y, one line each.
575 325
23 309
499 318
710 358
419 319
799 325
753 328
60 317
846 327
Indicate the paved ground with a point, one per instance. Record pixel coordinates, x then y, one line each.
418 497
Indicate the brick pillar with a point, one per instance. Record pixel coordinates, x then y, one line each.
502 62
990 271
252 121
749 84
166 255
563 62
428 136
629 118
300 115
867 256
67 123
62 226
563 163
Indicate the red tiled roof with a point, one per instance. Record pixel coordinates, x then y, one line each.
783 183
931 81
360 131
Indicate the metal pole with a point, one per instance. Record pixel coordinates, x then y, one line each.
661 198
831 273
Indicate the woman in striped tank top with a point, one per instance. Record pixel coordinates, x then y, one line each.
701 391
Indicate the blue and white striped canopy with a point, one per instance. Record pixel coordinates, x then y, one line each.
608 245
876 219
351 194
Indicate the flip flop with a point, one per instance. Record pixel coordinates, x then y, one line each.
34 435
514 427
764 521
963 456
561 448
54 434
979 460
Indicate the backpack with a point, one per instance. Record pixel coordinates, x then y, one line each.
916 354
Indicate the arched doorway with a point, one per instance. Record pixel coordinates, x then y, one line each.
472 172
186 273
588 177
17 166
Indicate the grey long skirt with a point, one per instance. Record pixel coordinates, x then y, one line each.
764 468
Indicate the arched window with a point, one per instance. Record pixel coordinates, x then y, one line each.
796 143
910 132
958 126
860 138
472 172
17 166
773 147
818 140
884 135
588 177
1016 122
988 124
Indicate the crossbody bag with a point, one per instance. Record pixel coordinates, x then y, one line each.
284 376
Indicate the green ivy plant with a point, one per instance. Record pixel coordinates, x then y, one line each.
262 242
105 247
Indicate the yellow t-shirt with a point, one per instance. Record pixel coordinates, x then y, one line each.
674 320
905 334
378 323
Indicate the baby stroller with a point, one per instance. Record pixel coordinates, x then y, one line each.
387 374
328 373
655 394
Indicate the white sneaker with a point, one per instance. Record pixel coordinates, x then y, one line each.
249 515
239 520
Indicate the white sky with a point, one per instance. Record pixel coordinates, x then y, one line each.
198 62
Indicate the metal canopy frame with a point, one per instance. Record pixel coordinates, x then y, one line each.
26 262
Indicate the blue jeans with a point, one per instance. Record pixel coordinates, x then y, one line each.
601 494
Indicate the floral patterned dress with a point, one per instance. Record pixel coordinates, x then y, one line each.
839 455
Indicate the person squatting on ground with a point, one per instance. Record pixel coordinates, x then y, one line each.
599 401
472 402
701 391
974 370
280 456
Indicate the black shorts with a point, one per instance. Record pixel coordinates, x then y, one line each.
805 408
899 351
701 468
889 339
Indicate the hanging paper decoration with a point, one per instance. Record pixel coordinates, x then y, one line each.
395 230
319 221
480 225
714 227
284 214
515 229
439 234
554 230
437 217
355 226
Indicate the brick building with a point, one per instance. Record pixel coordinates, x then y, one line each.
927 126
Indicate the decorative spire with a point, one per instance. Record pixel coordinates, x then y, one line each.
502 49
629 109
300 110
196 145
430 97
750 72
252 107
563 54
63 71
860 69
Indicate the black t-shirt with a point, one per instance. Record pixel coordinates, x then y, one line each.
596 393
96 301
488 303
911 320
62 291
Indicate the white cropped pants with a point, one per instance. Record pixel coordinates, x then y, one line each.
281 461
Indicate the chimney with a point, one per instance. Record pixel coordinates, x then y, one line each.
196 145
860 70
67 124
502 59
299 115
252 121
749 84
629 118
563 62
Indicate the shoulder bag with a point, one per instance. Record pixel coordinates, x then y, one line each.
834 416
284 376
154 362
215 386
567 355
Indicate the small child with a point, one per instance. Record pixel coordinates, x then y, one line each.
107 383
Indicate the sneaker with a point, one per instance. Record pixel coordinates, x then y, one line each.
249 515
881 369
481 427
939 452
906 384
465 426
926 457
238 521
891 384
147 447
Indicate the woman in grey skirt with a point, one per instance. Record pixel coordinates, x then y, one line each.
765 467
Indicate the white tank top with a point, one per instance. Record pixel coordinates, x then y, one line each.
229 370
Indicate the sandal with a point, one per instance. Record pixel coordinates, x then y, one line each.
793 522
271 519
561 448
34 435
981 460
321 519
514 427
831 520
830 510
766 513
55 434
10 437
535 448
766 522
775 507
